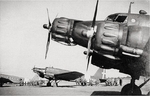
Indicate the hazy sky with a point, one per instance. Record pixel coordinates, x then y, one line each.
23 39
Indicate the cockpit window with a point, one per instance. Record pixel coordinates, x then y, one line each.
121 19
117 18
112 17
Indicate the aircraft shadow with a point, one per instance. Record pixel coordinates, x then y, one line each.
67 86
60 86
105 93
108 93
5 86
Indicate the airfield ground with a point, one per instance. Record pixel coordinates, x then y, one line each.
68 89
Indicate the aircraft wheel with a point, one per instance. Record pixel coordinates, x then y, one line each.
1 84
49 84
148 93
127 90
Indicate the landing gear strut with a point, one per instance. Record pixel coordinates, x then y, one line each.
52 83
48 83
56 83
131 89
1 84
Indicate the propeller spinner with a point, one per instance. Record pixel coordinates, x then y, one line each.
90 34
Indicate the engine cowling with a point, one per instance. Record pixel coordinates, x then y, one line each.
113 39
107 39
61 31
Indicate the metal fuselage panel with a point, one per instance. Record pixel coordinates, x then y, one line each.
51 70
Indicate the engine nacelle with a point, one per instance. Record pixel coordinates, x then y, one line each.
108 39
61 31
113 39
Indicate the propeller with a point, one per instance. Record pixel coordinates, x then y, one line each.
90 34
48 26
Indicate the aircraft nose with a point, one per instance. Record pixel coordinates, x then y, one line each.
33 69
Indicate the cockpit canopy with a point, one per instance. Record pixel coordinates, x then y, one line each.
117 18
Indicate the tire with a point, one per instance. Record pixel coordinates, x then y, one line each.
1 84
127 90
48 84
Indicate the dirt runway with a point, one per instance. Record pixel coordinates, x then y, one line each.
67 89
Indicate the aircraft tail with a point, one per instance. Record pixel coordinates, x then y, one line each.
100 74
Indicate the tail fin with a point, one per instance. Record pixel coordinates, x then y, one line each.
100 74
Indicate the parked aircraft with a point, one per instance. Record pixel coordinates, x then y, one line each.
10 79
56 74
121 41
100 75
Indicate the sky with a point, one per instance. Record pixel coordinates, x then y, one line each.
23 39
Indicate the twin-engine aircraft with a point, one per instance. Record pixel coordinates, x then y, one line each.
121 41
55 74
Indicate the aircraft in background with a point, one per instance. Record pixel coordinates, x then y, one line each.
121 41
100 75
10 79
56 74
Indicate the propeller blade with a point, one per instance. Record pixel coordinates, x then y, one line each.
88 52
49 23
88 63
90 39
49 34
56 15
95 14
47 45
89 47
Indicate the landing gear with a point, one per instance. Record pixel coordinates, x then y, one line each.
1 84
48 83
131 89
52 83
56 83
148 93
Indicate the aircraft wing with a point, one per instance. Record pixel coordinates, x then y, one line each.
68 76
9 78
5 80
